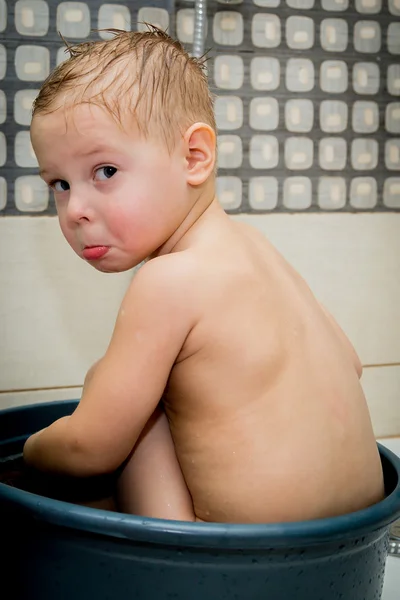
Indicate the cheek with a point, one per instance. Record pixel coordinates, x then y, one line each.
67 233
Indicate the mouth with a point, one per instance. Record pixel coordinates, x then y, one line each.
94 252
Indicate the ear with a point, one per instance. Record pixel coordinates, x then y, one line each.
200 149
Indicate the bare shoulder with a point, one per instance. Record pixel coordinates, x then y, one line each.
250 231
162 285
169 273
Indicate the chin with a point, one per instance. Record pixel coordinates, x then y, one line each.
110 269
103 267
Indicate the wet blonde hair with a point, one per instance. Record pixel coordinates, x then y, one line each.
145 75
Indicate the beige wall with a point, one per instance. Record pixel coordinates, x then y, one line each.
57 313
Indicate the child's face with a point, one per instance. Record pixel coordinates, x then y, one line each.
119 197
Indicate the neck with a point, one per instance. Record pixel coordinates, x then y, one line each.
205 206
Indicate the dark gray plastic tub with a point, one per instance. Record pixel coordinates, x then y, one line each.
54 550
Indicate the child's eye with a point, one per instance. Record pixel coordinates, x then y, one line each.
60 185
105 173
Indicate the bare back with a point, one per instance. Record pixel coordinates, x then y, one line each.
265 406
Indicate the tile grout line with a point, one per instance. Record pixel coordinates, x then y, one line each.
41 389
69 387
374 366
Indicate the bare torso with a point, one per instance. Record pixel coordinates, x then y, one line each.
264 403
260 386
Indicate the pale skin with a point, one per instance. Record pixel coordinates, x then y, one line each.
263 417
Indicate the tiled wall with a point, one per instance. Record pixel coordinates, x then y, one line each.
57 313
309 152
308 105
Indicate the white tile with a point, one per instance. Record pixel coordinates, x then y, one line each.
57 313
382 390
352 264
12 399
392 443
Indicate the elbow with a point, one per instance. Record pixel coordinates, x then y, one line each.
63 450
84 463
88 462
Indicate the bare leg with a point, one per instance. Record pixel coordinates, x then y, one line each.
152 483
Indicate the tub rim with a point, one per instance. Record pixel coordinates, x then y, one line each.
207 535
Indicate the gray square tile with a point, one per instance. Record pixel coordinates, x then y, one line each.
369 7
3 149
332 154
364 154
32 63
392 154
73 19
264 152
228 28
392 117
394 7
297 193
228 112
3 107
3 16
31 194
263 193
3 193
3 61
23 151
393 38
32 17
335 5
300 76
332 193
265 3
299 115
266 30
363 193
333 76
367 36
229 192
393 79
333 116
365 116
156 16
228 72
113 17
299 153
366 78
265 73
185 25
230 152
23 101
264 113
391 192
334 35
300 32
300 4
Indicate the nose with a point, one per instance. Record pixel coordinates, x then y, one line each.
78 208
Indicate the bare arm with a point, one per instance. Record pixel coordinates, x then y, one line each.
126 385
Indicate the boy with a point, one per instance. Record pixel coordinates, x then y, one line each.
227 391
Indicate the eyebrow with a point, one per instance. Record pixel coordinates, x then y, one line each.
91 152
97 150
